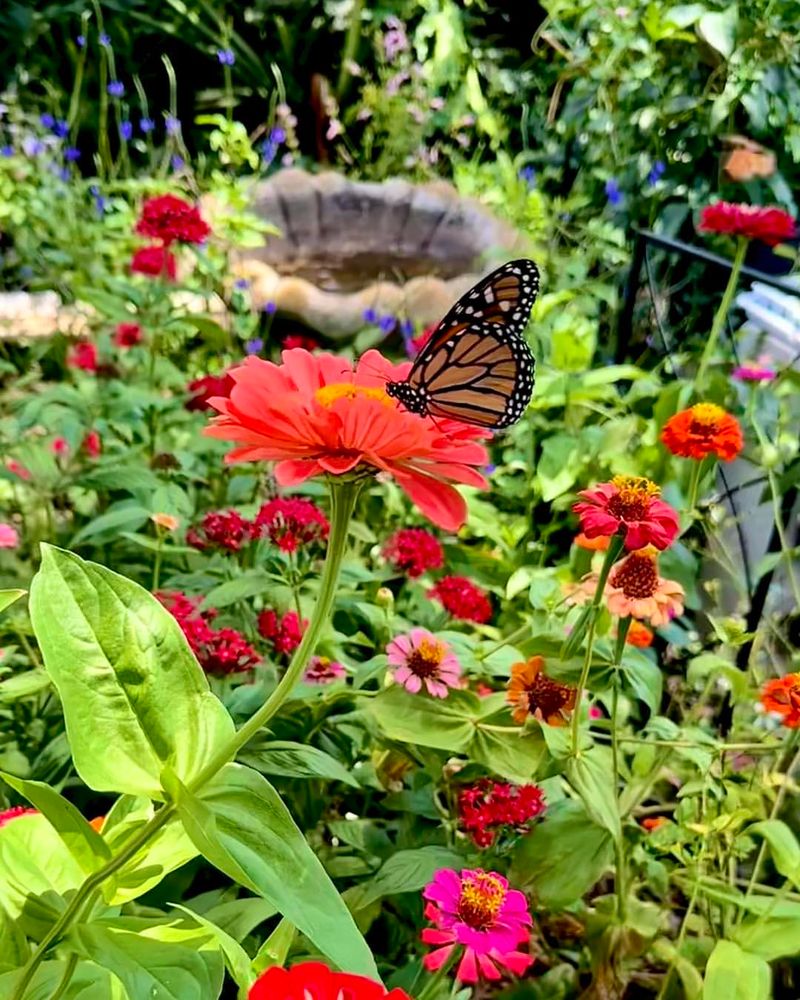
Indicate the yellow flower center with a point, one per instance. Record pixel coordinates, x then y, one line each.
426 659
482 897
706 417
633 497
328 394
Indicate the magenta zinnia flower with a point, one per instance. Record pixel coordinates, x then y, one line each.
754 373
321 670
630 506
475 910
420 658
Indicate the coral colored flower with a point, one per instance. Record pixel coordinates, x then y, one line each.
293 340
284 632
475 910
413 551
782 695
18 469
490 807
92 444
703 429
9 536
635 588
754 373
314 415
127 334
167 521
462 599
321 670
14 813
770 225
290 523
598 544
83 356
59 447
224 529
155 261
203 389
639 635
651 823
315 981
532 692
628 505
419 658
168 219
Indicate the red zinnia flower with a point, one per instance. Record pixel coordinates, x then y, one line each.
487 807
14 813
628 505
207 387
314 415
290 522
782 695
168 218
462 599
155 261
127 334
770 225
92 444
292 340
83 356
225 529
703 429
283 632
315 981
413 550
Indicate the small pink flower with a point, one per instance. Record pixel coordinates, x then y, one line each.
753 373
595 713
59 447
475 910
420 658
321 670
9 538
18 469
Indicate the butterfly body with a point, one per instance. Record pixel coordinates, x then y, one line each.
477 367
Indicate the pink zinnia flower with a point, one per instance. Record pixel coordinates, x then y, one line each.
9 537
628 505
754 373
420 658
477 911
321 670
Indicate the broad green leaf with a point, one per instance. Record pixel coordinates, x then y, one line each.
718 28
564 855
296 760
516 756
7 597
445 724
406 871
644 677
135 699
783 846
149 969
702 668
236 958
770 938
240 824
14 949
593 778
733 974
275 950
130 517
82 841
88 982
23 685
245 585
239 917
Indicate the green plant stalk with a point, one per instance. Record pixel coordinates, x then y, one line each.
344 494
431 988
619 845
694 484
612 552
350 47
62 987
681 935
721 315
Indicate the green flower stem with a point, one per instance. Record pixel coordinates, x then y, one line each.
614 549
62 987
344 494
694 483
432 986
721 315
619 846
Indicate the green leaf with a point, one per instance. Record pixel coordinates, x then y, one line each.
718 29
275 950
88 982
7 597
406 871
129 517
643 676
564 855
236 958
23 685
149 969
135 699
242 587
558 465
771 938
14 949
592 777
82 841
708 665
240 824
445 724
296 760
516 756
783 846
733 974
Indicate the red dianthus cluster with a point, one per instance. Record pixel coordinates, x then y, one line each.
219 651
487 807
284 632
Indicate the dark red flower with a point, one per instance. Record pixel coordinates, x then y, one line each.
127 334
207 387
224 529
155 261
282 631
299 340
168 218
315 981
219 651
92 444
290 522
413 550
84 356
488 807
755 222
417 343
462 598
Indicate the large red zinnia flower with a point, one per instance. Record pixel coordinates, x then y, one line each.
168 218
770 225
703 429
315 981
628 505
314 414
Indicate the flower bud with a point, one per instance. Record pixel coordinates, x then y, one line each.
384 598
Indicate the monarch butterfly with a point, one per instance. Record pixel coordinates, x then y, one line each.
476 367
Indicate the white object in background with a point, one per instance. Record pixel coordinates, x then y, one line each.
773 326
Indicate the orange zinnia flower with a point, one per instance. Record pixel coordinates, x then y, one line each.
599 544
703 429
639 635
315 414
782 695
635 588
532 692
651 823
